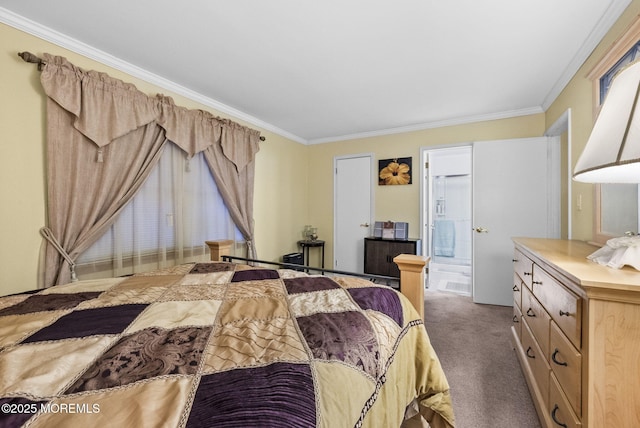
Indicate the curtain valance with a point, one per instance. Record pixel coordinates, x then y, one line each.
107 108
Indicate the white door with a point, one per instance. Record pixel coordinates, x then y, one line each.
512 180
353 187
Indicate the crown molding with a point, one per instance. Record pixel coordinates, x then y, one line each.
614 11
430 125
30 27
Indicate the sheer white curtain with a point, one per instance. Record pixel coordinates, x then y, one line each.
166 223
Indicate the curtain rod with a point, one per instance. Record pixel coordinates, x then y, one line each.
33 59
29 57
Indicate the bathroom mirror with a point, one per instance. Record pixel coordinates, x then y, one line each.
616 211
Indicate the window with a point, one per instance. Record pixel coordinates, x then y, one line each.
166 223
624 51
616 206
605 81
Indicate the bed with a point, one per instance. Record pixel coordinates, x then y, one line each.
218 344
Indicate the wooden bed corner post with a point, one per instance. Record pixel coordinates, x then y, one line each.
219 248
412 269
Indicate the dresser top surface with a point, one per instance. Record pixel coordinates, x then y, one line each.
570 258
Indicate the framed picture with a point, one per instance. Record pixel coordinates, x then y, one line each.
395 171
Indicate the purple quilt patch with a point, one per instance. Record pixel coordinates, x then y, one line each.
254 275
48 302
277 395
379 299
342 336
109 320
145 354
305 284
212 267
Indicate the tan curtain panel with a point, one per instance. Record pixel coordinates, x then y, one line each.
104 137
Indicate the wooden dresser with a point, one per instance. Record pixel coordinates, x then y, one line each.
576 331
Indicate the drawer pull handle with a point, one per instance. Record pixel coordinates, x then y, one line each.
553 357
553 416
537 282
515 260
530 313
564 314
528 355
515 288
515 319
528 273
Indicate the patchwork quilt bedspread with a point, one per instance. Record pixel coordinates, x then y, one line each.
218 345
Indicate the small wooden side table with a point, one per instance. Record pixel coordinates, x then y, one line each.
306 244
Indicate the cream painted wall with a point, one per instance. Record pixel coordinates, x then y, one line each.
281 198
280 203
22 181
399 203
578 96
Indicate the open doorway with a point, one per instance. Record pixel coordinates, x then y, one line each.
448 215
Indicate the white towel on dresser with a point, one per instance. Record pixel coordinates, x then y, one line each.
619 252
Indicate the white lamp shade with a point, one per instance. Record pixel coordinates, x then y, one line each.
612 153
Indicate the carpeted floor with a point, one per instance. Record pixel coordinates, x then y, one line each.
472 341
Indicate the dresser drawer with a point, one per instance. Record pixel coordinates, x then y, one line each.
559 409
534 315
537 363
523 267
517 321
517 290
566 363
564 307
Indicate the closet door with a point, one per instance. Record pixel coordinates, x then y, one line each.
353 205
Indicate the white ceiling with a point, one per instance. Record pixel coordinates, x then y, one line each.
318 71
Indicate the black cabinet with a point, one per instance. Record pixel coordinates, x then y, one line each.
379 254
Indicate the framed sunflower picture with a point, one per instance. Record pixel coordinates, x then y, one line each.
394 171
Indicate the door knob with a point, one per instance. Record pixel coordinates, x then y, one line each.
481 230
364 225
